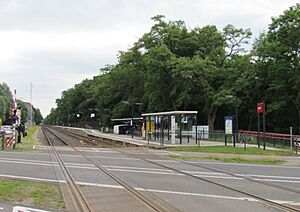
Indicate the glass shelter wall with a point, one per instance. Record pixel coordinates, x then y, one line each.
171 127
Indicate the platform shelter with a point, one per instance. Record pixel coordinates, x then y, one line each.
173 127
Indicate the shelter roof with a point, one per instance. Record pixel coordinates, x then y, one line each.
127 119
171 113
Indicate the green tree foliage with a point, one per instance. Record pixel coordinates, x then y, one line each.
277 55
5 101
173 67
25 110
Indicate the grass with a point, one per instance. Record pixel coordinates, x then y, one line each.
268 161
232 150
36 194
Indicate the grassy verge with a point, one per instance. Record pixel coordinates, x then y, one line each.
30 140
36 194
232 150
268 161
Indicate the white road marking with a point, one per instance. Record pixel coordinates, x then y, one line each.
95 150
164 152
214 175
22 160
167 161
152 190
140 168
25 209
243 164
28 163
102 157
30 178
268 176
146 172
1 208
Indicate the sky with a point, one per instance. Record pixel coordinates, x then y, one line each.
56 44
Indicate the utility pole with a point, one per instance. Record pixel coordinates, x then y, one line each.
132 130
264 124
30 112
132 113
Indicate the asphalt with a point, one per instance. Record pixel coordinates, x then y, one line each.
182 192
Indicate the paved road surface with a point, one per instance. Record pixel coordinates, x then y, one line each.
183 192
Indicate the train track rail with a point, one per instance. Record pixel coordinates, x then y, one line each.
78 198
254 196
152 204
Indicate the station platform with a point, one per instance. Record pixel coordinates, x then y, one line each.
137 140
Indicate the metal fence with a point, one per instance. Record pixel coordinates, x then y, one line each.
252 138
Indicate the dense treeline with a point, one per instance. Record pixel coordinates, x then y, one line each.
37 117
6 102
173 67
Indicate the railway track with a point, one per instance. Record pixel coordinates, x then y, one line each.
259 198
78 198
153 205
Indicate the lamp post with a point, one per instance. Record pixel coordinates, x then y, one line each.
132 104
93 115
235 138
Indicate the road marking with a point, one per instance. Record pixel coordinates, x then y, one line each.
30 178
103 157
163 152
164 171
25 209
152 190
73 165
95 150
139 168
241 164
146 172
15 159
1 208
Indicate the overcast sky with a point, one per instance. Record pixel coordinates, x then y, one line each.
57 43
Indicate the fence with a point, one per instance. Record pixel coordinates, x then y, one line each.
271 139
268 139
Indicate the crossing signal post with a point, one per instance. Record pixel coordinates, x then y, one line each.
261 109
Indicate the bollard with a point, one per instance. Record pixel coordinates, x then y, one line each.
149 138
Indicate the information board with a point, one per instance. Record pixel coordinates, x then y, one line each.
229 125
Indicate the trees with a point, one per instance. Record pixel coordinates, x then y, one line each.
173 67
277 55
168 68
5 100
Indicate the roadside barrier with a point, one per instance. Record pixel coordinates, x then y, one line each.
8 141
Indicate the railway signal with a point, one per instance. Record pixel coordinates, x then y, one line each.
261 108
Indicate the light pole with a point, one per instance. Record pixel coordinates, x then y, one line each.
93 115
132 104
69 120
235 138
